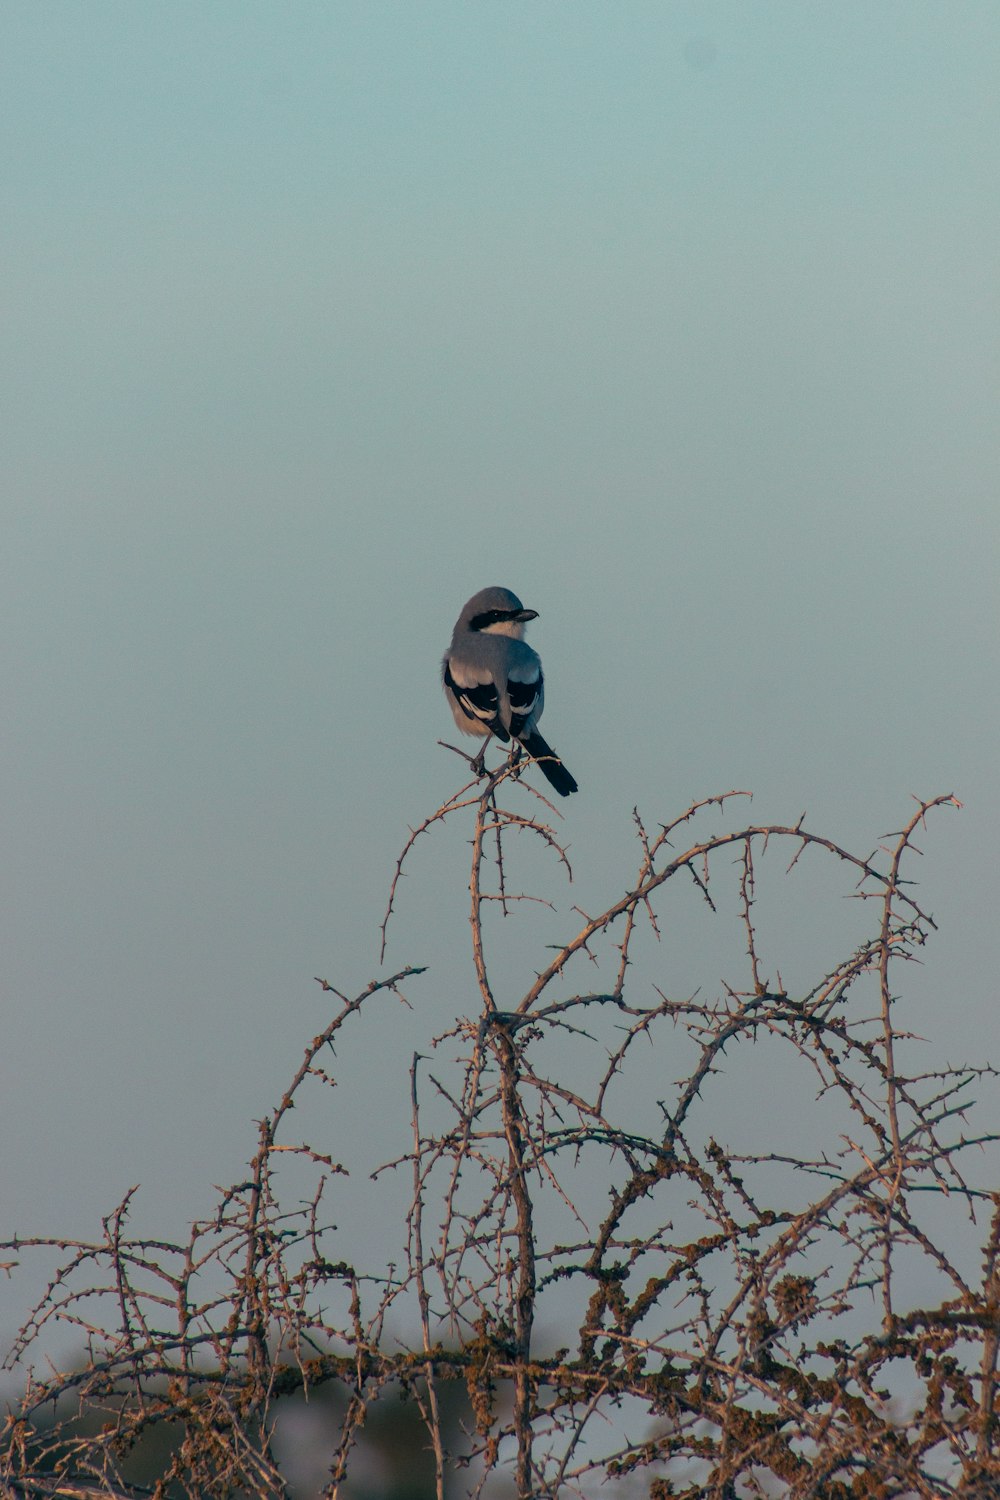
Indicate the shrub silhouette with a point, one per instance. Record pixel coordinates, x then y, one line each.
734 1317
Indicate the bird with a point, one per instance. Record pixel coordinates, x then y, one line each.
493 680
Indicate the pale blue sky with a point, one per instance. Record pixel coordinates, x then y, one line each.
679 319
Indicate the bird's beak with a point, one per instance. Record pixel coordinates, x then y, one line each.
526 615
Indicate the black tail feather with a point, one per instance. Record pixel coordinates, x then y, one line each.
549 764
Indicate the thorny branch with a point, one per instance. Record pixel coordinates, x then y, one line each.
569 1168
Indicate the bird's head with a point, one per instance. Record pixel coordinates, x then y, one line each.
497 611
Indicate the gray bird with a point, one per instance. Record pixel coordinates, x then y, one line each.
493 680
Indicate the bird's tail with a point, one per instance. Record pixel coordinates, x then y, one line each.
549 763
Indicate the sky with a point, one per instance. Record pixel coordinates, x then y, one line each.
680 320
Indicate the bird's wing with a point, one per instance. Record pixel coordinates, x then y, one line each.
475 692
525 690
